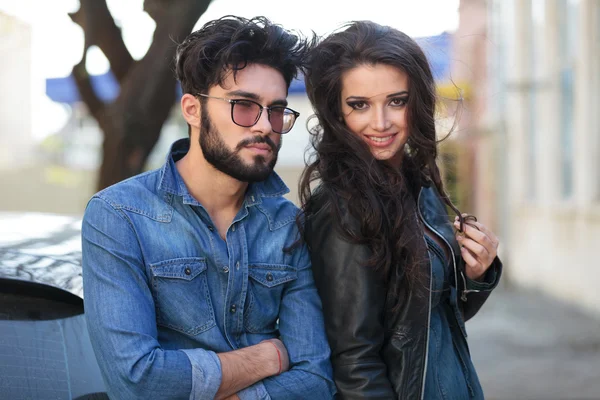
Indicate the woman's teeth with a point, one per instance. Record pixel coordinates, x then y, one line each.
380 139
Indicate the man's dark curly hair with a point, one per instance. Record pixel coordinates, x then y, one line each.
228 44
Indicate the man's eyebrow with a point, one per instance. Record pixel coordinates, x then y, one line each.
280 102
243 93
362 98
255 97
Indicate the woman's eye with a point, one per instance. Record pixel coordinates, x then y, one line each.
357 105
398 102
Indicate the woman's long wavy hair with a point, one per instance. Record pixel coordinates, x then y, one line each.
380 196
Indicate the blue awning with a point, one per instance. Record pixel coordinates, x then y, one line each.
438 50
64 90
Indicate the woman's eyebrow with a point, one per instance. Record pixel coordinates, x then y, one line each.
362 98
397 94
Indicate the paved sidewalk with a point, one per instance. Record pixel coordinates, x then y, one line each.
527 346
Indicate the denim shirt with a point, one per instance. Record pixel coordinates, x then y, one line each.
450 370
164 293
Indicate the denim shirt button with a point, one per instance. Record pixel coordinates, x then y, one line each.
237 265
270 277
188 271
226 269
233 228
210 228
232 309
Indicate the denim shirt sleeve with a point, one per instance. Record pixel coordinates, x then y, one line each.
254 392
303 333
120 314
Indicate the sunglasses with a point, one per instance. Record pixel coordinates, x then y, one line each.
246 113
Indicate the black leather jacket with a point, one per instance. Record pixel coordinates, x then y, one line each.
376 352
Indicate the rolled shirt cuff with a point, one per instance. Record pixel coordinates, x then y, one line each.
206 373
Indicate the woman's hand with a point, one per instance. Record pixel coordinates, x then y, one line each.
479 247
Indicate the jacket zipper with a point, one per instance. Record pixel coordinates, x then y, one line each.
428 309
428 325
465 291
463 295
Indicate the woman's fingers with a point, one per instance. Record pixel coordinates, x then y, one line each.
482 253
475 269
477 235
480 227
490 235
478 247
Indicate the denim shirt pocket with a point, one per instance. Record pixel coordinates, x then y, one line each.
265 290
181 295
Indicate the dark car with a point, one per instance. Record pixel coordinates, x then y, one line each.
45 350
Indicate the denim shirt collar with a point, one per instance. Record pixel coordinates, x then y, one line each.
171 181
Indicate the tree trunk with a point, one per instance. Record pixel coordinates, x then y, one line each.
132 123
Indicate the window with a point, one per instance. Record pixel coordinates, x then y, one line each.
536 54
595 100
568 53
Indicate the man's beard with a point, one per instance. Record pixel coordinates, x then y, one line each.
230 162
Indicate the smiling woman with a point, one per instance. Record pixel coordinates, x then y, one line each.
383 248
374 108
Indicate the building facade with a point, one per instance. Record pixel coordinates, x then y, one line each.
543 109
16 141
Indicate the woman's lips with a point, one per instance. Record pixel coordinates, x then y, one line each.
380 140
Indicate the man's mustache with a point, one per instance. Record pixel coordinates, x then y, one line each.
256 140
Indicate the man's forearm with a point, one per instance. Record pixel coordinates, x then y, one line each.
244 367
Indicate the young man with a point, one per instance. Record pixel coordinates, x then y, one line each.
189 292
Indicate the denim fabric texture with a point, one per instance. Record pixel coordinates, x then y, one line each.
164 293
450 371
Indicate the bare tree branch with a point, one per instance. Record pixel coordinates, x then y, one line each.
154 8
151 89
132 123
86 91
100 30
